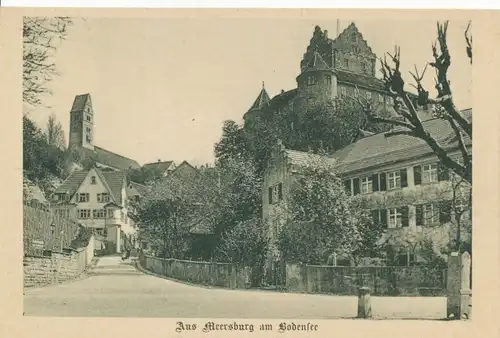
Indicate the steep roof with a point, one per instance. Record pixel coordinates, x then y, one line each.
379 149
113 180
316 63
80 101
139 188
261 100
71 183
111 159
360 80
301 158
157 167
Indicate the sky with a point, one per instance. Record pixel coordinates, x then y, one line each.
161 88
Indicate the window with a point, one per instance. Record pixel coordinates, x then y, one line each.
366 185
98 213
329 79
93 180
395 218
276 227
343 91
368 95
83 197
429 173
89 118
431 214
103 197
311 80
394 180
380 98
110 213
275 193
83 213
99 231
353 37
346 63
398 217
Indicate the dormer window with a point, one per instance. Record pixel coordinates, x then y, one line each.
92 180
311 80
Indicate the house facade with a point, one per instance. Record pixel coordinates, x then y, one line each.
99 200
409 194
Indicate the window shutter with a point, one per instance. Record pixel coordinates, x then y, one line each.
356 185
383 217
270 195
443 173
417 175
404 216
280 192
404 178
375 216
445 212
383 184
419 214
347 184
375 182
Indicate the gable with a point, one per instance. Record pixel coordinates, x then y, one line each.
351 40
87 186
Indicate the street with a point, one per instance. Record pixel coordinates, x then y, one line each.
117 289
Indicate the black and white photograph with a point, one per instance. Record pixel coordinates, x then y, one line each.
248 168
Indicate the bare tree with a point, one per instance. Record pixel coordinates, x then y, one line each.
55 133
41 37
408 122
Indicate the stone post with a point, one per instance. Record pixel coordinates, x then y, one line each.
364 303
458 292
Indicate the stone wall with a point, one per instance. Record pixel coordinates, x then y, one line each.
44 230
382 281
227 275
57 267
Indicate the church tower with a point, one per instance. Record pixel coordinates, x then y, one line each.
81 129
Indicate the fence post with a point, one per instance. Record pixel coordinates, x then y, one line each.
458 292
364 303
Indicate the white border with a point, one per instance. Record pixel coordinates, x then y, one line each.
431 4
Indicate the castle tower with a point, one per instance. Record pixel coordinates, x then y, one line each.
260 102
81 129
317 82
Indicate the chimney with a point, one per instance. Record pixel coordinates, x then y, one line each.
159 160
282 91
325 33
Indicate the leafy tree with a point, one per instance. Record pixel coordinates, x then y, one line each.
332 125
42 162
233 143
55 133
41 37
246 244
409 123
322 217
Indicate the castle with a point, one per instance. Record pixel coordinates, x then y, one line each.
330 69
